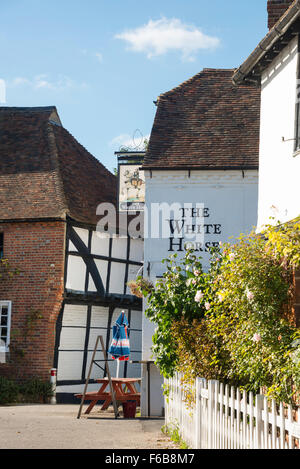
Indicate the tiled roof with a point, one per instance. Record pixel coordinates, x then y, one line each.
206 123
45 172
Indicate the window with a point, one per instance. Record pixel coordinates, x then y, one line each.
5 316
1 245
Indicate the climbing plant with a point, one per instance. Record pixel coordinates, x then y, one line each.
232 323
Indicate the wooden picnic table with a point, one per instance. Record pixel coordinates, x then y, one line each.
124 388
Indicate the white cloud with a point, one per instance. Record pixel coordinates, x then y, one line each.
164 35
132 142
44 82
62 83
19 81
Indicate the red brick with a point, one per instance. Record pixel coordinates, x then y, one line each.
26 248
276 8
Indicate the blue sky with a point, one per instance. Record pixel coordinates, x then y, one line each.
104 62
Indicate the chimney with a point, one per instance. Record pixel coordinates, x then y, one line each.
276 8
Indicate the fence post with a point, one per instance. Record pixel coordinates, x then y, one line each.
166 386
197 414
210 413
198 417
259 405
211 420
180 419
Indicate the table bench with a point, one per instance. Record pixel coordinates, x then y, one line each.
124 389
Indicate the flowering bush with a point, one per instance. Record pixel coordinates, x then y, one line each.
284 241
141 287
254 321
179 294
232 323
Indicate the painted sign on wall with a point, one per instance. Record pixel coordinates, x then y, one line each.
206 208
131 187
194 224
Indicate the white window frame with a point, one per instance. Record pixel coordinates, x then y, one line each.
7 304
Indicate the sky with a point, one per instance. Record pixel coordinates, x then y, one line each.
102 63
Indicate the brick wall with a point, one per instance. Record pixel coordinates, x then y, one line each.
276 8
37 249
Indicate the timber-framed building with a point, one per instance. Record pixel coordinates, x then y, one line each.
72 283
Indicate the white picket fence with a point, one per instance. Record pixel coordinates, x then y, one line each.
225 418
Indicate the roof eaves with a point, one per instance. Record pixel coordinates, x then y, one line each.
31 110
200 168
280 28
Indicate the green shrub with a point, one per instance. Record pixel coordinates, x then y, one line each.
173 298
232 323
35 390
9 391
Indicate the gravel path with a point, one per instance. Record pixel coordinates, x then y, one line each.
57 427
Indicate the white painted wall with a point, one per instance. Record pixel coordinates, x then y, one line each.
231 199
229 196
76 268
279 168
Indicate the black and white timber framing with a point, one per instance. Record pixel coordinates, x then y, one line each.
97 269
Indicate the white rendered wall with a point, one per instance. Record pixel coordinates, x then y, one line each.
279 168
231 200
76 268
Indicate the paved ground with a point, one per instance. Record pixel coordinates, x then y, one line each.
57 427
